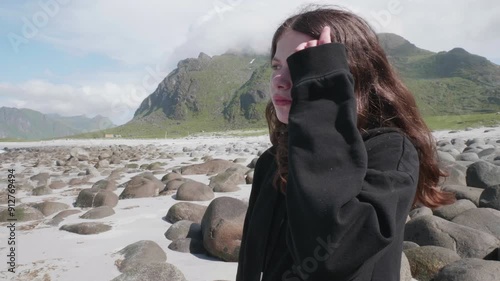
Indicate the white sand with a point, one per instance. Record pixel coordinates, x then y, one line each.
66 256
46 250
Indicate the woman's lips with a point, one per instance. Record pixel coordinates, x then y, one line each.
281 101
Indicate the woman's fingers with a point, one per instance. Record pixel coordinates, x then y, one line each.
312 43
325 37
301 46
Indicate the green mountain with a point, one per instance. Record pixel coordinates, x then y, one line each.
201 94
445 83
27 124
230 91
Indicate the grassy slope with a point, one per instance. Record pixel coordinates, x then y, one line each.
454 90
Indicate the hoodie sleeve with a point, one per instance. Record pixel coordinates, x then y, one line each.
344 194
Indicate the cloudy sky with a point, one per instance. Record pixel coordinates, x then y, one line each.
104 57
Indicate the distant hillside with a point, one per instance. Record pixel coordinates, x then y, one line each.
445 83
195 96
29 124
230 91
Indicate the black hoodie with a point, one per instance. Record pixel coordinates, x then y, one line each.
348 193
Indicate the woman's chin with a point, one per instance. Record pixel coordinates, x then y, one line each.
283 118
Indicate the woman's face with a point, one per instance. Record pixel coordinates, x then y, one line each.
281 83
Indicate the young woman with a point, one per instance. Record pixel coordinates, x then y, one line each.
350 156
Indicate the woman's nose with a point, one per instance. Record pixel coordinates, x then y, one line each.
281 81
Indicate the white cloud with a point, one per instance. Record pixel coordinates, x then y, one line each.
147 31
151 36
118 102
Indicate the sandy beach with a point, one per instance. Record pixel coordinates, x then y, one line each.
46 253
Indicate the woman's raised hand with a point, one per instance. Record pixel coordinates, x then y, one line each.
324 38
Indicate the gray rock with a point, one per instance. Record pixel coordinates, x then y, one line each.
41 190
78 181
468 156
89 197
104 155
405 272
482 174
435 231
184 229
214 166
252 163
132 166
98 213
102 164
188 245
426 261
445 157
484 219
170 176
421 211
228 180
141 186
42 179
49 208
465 192
409 245
92 172
185 211
443 143
451 150
448 212
490 198
139 254
86 228
105 185
194 191
470 270
79 154
488 153
222 227
240 160
456 173
154 166
152 272
115 160
173 185
21 213
249 177
57 219
57 185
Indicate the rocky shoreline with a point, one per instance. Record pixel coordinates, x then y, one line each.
174 209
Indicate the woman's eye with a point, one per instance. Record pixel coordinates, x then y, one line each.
274 67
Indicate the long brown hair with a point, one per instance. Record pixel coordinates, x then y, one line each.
382 99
